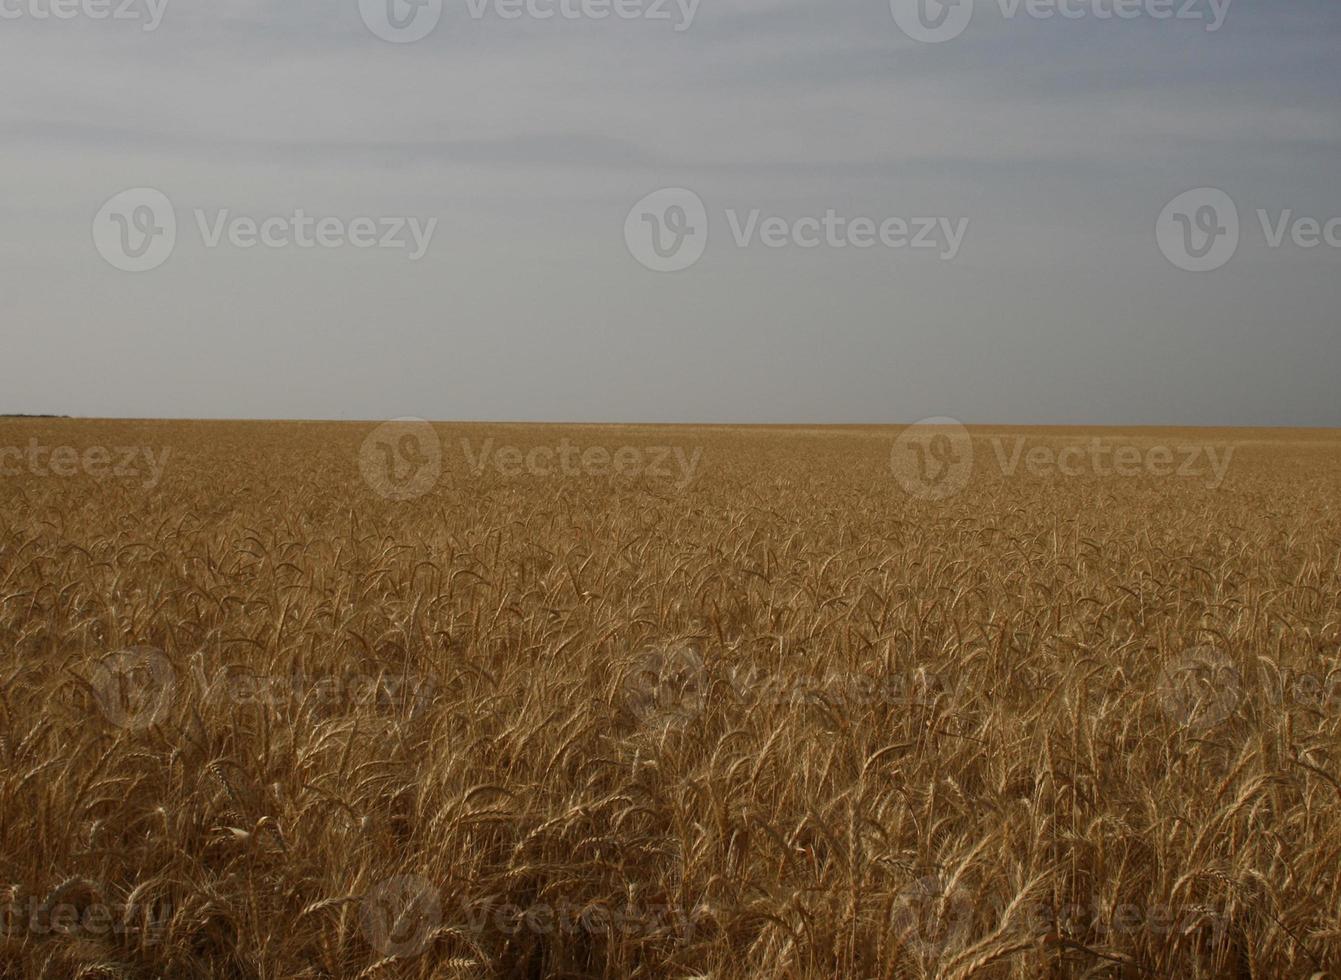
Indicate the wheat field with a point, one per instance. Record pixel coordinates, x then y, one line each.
604 701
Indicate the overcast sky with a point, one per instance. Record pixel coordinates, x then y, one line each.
1050 147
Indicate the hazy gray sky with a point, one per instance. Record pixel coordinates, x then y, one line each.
1060 141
